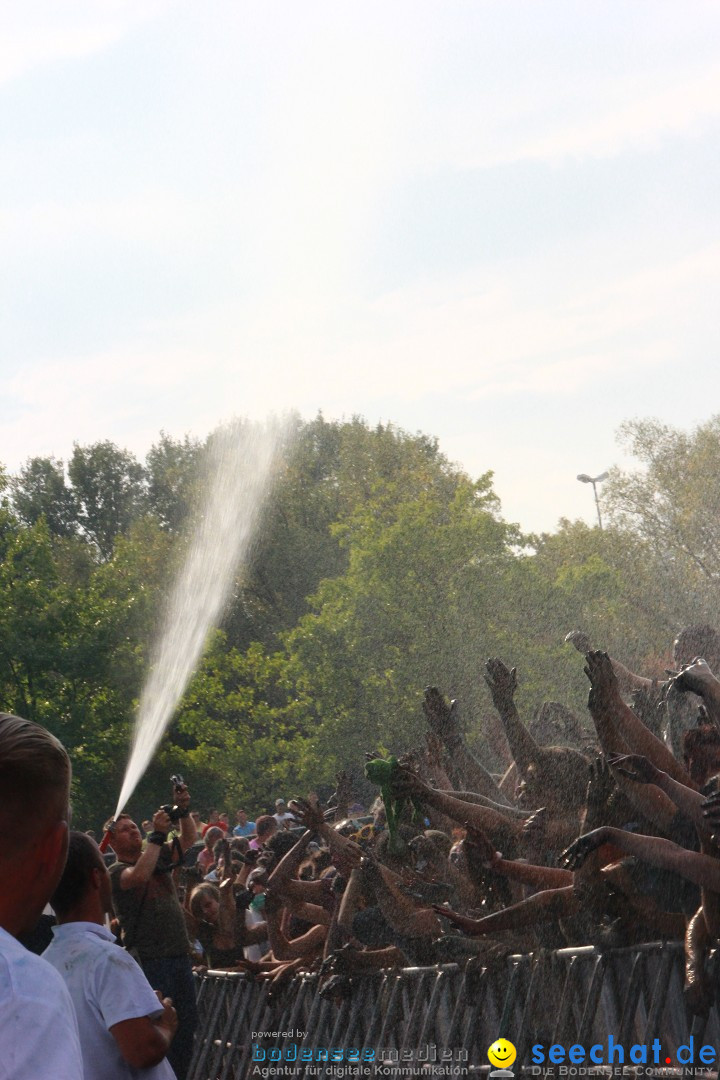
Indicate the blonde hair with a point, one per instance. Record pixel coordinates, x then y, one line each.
34 780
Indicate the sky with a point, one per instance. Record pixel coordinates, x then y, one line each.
494 222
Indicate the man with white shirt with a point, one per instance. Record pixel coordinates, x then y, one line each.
38 1029
125 1029
285 820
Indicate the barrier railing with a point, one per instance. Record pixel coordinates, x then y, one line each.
415 1020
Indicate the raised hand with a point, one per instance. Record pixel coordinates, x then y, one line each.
181 795
600 789
635 767
575 855
343 789
534 827
463 922
441 717
695 677
308 811
603 680
579 640
162 822
501 681
480 846
711 811
406 782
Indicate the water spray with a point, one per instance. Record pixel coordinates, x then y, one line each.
240 474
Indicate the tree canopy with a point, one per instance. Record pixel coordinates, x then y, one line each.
381 568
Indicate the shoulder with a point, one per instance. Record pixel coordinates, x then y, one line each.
25 974
34 1006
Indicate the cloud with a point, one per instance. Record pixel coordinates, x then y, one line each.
602 119
156 215
481 337
37 33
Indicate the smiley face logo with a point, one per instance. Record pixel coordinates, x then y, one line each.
502 1053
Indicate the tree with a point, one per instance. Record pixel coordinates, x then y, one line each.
609 584
418 604
172 467
674 501
40 490
109 485
32 614
241 732
331 468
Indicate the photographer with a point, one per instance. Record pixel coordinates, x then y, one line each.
151 918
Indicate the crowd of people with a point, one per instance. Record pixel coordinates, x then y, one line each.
604 835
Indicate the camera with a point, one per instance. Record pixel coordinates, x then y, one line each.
175 813
243 899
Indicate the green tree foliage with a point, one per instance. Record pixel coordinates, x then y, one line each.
381 568
419 603
332 469
672 503
172 468
607 583
109 485
240 735
40 490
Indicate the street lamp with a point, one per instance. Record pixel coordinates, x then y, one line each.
594 480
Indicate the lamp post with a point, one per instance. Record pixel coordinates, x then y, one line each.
594 480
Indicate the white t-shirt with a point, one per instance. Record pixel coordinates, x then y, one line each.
38 1030
255 952
107 986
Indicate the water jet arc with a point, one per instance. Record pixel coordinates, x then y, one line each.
240 472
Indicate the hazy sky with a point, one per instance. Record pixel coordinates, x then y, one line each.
496 222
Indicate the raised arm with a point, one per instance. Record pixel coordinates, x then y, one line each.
281 878
687 800
703 870
282 947
550 904
442 720
502 683
481 800
141 872
188 829
699 679
538 877
480 817
405 916
627 680
606 703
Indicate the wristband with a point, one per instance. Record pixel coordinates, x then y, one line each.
179 814
157 838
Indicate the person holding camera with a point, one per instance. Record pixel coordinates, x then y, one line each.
151 917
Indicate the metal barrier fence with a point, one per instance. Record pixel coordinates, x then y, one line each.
416 1018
